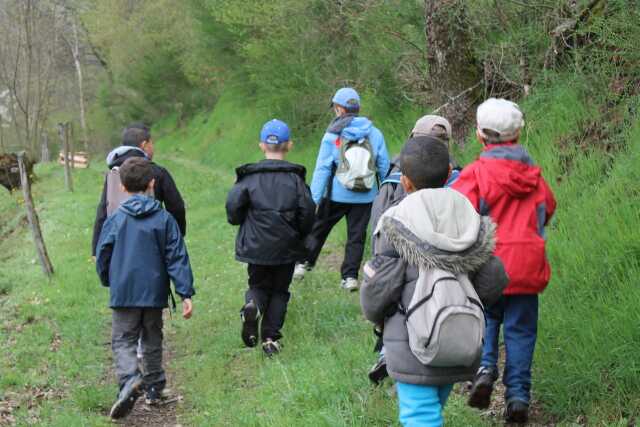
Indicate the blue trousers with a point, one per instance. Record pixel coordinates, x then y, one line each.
519 316
422 405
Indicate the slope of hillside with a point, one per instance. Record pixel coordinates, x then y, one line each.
54 352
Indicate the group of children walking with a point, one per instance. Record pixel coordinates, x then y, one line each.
456 253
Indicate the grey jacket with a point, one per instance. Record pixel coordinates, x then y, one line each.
460 242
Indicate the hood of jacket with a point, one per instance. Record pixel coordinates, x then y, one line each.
268 165
439 228
511 167
118 155
358 128
140 205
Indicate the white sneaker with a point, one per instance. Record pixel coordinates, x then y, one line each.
300 270
349 284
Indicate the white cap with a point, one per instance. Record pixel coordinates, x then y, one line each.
499 120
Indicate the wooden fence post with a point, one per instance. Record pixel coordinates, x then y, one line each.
72 146
32 216
64 135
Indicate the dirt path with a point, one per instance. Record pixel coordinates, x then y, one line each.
495 413
163 415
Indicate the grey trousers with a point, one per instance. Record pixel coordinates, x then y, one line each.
128 325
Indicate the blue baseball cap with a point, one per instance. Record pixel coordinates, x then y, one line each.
347 97
274 132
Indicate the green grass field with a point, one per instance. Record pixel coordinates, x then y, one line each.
54 336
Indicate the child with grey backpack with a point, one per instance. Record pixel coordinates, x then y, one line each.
429 249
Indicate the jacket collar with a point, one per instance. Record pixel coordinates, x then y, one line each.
515 152
270 166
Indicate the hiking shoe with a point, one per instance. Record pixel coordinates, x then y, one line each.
350 284
378 372
153 396
300 270
517 412
482 387
250 316
127 397
271 347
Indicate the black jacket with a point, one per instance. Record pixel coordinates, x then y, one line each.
273 206
165 191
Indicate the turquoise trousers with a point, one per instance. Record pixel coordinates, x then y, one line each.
422 405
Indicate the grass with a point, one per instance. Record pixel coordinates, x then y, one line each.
54 354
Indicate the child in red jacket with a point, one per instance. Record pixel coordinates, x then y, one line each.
506 184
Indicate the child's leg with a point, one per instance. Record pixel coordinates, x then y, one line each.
494 316
357 221
279 295
520 333
329 213
259 283
421 405
152 348
443 393
125 329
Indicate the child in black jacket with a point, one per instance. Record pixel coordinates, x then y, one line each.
273 206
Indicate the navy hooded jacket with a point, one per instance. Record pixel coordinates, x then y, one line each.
140 248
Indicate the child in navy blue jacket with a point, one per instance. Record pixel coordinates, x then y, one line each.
139 250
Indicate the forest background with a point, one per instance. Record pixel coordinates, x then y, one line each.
208 73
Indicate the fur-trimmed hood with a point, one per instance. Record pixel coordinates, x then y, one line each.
439 228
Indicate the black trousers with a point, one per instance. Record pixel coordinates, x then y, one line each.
329 213
269 289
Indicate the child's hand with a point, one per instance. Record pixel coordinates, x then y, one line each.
187 308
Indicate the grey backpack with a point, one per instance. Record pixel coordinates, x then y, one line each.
445 320
115 193
357 165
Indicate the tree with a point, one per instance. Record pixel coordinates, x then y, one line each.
454 73
27 63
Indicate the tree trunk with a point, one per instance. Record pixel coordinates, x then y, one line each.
3 149
455 76
71 137
32 216
64 136
45 157
78 65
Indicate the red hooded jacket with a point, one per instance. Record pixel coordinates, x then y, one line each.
505 184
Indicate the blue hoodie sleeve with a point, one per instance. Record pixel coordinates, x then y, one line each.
104 250
177 260
324 164
382 155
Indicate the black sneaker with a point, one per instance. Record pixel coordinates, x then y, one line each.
271 347
127 398
379 371
153 396
517 412
250 316
482 387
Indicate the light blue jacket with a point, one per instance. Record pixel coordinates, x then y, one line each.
350 128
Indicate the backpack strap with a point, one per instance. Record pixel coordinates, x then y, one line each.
392 178
409 312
